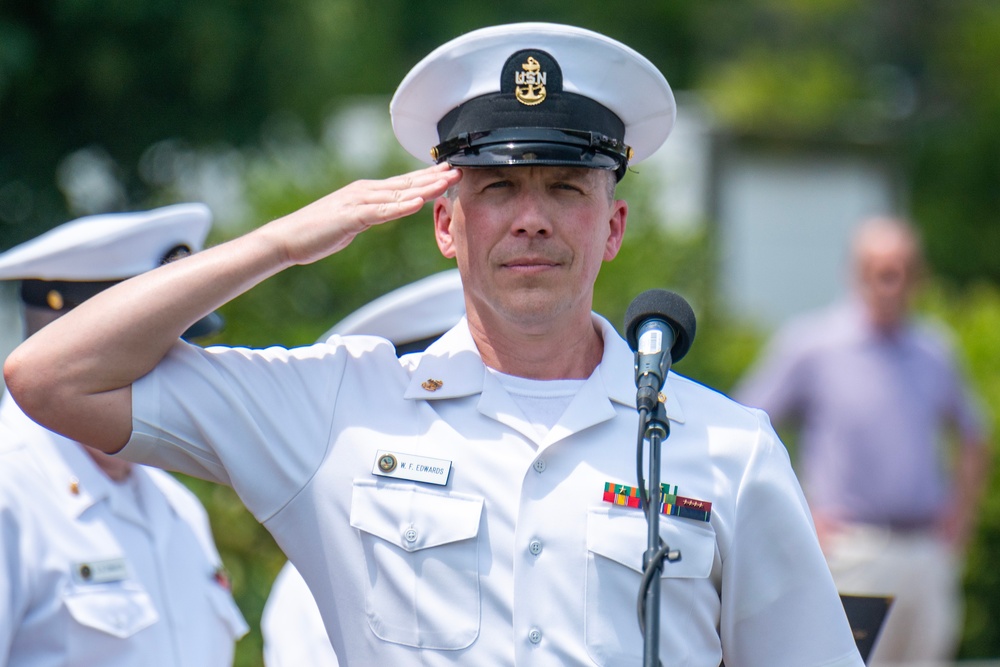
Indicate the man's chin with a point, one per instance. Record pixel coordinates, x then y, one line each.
529 305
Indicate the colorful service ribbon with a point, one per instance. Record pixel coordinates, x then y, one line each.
671 503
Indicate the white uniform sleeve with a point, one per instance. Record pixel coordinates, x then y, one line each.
780 605
12 581
292 627
257 420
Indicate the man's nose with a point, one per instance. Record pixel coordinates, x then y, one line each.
891 280
531 217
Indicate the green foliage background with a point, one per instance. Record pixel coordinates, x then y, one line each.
158 90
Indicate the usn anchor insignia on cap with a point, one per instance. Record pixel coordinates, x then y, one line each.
529 84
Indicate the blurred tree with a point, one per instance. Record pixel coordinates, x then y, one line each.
973 313
914 73
86 89
955 150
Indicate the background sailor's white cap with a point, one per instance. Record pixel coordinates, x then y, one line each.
108 247
485 98
414 313
69 264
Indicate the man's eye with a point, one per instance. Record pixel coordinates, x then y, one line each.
496 184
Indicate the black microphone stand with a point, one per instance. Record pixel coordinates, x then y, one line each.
659 327
656 429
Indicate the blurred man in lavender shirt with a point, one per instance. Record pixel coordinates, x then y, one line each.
874 394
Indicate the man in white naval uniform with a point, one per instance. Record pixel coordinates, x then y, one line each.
102 562
410 317
470 504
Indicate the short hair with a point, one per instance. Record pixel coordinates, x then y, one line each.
881 227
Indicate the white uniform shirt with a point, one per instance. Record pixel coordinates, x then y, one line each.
517 560
291 625
87 578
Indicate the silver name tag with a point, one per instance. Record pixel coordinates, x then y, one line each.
100 571
413 468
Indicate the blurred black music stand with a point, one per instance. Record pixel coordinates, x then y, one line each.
866 614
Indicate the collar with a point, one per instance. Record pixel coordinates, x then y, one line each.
852 317
453 368
73 476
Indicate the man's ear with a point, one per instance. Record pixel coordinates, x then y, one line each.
617 224
442 226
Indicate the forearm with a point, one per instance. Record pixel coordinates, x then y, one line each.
971 474
974 470
74 376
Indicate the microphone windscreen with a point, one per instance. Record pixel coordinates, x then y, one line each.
667 306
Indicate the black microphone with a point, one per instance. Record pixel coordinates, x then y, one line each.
659 327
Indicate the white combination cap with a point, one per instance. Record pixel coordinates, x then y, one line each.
110 246
533 93
414 313
68 264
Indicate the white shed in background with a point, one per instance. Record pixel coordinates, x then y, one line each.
783 209
784 222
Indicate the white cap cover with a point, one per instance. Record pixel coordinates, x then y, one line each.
420 310
532 77
111 246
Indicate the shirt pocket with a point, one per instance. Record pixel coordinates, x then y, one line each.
227 612
689 603
114 611
421 550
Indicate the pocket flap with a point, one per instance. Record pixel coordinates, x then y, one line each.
413 518
119 612
620 535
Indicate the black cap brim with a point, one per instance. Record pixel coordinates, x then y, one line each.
535 146
206 326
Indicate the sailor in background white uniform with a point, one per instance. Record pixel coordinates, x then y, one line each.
103 562
411 317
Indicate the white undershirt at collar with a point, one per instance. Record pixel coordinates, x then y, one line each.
542 401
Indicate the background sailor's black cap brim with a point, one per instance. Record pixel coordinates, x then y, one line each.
63 295
206 326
